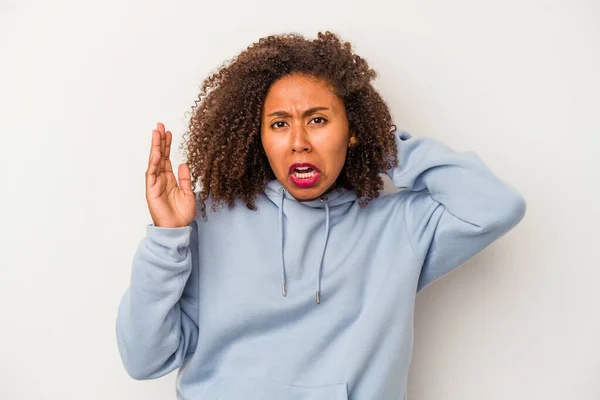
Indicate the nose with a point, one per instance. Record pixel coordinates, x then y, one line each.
300 140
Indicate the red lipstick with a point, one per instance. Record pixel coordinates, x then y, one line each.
304 175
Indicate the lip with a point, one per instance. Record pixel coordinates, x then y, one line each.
300 165
305 182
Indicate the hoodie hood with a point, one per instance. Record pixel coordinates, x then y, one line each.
278 194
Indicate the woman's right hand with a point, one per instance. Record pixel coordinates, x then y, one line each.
171 205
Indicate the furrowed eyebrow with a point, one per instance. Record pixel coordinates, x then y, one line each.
304 114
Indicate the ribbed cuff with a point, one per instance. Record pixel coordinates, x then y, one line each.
171 241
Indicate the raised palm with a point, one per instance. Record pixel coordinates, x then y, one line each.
171 205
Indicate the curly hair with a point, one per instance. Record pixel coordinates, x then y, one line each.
223 144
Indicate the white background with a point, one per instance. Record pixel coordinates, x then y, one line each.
83 83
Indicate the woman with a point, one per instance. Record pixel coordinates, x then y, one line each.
304 286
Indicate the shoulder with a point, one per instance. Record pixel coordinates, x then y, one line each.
413 209
403 200
221 213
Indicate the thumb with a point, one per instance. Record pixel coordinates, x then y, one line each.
185 182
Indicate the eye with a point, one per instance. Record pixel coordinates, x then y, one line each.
320 121
278 122
320 118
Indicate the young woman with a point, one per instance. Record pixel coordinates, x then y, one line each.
303 287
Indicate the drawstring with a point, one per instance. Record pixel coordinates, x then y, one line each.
282 192
324 201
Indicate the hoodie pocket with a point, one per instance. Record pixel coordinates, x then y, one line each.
238 388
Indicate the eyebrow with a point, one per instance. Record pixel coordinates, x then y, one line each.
304 114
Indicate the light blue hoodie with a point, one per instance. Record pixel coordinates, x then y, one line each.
209 298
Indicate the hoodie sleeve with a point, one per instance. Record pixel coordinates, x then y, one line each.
157 321
457 206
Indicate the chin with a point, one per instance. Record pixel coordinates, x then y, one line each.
306 194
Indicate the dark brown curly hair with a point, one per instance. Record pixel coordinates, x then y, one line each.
223 145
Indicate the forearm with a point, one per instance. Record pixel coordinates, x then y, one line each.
153 333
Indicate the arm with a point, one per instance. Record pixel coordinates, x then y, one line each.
157 321
458 206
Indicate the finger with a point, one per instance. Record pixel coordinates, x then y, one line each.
163 139
185 182
153 160
168 165
154 148
151 173
169 141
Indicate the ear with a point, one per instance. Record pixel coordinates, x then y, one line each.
353 141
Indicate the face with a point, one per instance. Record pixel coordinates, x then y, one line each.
305 134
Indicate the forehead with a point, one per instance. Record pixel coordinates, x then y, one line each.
299 91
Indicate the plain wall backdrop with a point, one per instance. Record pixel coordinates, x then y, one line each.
83 83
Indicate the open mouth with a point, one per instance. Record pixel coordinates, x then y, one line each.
304 175
304 172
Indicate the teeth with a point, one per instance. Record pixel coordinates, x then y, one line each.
304 175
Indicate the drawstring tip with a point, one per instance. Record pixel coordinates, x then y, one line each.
283 289
318 297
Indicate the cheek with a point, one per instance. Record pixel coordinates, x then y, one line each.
274 149
275 152
336 152
267 145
